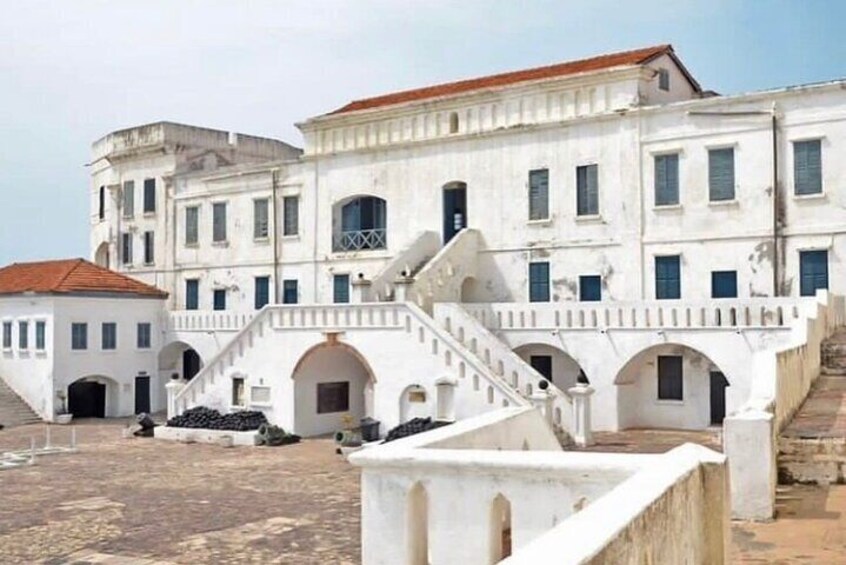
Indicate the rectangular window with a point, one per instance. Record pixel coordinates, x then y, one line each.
670 378
7 335
539 194
291 211
664 79
538 282
261 225
23 335
126 248
590 288
128 199
192 294
79 336
40 335
144 335
149 248
341 289
262 292
219 299
587 190
219 221
149 196
239 392
666 179
109 335
721 174
807 167
289 292
813 271
102 204
724 284
333 397
668 277
192 225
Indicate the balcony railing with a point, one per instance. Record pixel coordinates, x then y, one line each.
360 240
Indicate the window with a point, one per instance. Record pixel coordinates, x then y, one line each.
453 122
341 289
721 174
539 194
333 397
291 210
192 294
102 204
23 335
126 248
149 248
667 277
666 179
363 223
724 284
260 218
813 272
40 335
7 335
144 335
664 79
590 288
587 190
262 292
149 196
670 378
289 292
219 221
128 199
538 282
239 392
79 336
807 167
192 223
219 302
109 335
542 364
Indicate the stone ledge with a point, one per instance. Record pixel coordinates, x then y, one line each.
196 435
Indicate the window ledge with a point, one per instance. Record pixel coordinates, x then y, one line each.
192 245
237 407
589 219
127 218
41 353
812 196
669 402
291 237
263 240
261 405
150 214
667 207
733 203
220 243
149 264
540 222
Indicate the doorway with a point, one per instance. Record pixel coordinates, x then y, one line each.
190 364
718 397
142 395
87 399
455 209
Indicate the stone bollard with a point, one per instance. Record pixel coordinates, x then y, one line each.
173 388
360 290
542 401
581 430
445 407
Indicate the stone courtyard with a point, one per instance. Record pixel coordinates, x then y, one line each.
144 501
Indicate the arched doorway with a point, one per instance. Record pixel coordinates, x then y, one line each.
415 402
670 386
454 209
553 363
176 358
360 223
331 383
94 396
472 291
101 256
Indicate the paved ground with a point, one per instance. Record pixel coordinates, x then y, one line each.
143 501
652 440
169 502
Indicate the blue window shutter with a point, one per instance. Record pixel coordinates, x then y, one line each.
539 194
351 216
807 167
262 294
813 272
666 180
667 278
289 291
721 174
587 190
539 282
341 289
724 284
590 288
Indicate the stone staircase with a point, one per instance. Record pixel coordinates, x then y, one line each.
812 448
13 410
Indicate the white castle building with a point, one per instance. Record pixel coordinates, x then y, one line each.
445 250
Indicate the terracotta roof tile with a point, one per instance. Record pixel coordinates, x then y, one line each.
624 58
67 276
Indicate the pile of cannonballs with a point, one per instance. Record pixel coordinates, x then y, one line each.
414 426
209 419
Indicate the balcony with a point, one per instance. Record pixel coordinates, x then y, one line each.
360 240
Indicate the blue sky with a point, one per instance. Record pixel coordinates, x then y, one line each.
73 70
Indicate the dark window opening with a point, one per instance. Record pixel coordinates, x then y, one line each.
590 288
333 397
538 282
670 378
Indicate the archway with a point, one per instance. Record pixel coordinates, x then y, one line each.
94 396
500 529
553 363
360 223
331 383
176 358
472 291
101 256
670 386
415 402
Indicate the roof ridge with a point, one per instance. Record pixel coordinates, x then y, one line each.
76 263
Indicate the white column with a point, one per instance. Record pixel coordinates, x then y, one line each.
360 290
402 287
542 401
173 388
445 408
748 444
581 429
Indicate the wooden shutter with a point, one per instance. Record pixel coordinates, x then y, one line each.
539 194
721 174
667 278
666 180
813 272
587 190
670 377
807 167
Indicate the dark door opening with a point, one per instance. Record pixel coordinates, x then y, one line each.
455 210
87 400
543 365
142 395
718 397
190 364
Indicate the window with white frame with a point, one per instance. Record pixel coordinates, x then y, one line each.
128 199
219 222
109 335
144 337
261 218
149 248
40 335
291 212
23 335
7 335
126 248
79 336
192 225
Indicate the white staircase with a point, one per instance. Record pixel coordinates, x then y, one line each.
406 264
13 410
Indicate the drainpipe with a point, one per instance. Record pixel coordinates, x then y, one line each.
776 207
274 181
642 210
316 195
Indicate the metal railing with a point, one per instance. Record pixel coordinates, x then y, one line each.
361 239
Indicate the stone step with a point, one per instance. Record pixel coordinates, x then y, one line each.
819 461
13 410
833 352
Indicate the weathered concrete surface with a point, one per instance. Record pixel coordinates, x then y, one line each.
161 501
651 441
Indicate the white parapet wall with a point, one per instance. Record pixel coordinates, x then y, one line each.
499 485
195 435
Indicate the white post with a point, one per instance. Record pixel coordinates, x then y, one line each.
173 388
402 286
542 401
581 430
748 443
446 399
360 290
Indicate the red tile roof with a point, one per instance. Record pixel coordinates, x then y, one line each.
69 276
624 58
